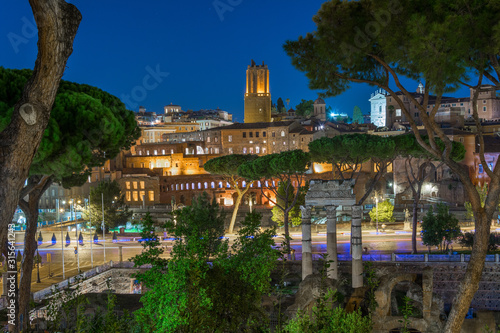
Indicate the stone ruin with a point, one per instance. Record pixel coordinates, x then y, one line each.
331 194
428 313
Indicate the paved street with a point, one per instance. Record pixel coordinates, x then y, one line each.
391 241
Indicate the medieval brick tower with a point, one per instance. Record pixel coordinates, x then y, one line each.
257 96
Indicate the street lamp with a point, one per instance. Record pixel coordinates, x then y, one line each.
62 245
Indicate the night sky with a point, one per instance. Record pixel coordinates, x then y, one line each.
204 51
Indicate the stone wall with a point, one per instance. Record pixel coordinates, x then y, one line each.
446 277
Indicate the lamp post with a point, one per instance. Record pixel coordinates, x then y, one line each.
62 246
103 229
376 211
87 208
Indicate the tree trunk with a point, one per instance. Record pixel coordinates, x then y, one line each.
235 211
414 227
57 23
287 233
470 283
30 209
30 246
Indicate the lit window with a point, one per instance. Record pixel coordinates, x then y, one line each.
135 196
230 138
212 185
151 195
481 168
127 185
257 150
199 186
128 196
244 150
156 152
147 152
282 133
230 150
251 150
220 185
206 185
142 185
244 184
135 185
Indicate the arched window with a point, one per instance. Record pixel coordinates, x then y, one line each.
206 185
182 187
282 133
220 185
199 186
187 186
212 185
258 184
176 187
244 184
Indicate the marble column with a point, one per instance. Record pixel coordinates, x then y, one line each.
307 264
331 241
356 247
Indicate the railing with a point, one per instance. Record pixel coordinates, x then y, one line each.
394 257
41 294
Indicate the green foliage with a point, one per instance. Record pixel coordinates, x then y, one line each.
351 150
407 312
151 254
467 240
440 228
385 212
372 282
280 106
115 211
295 214
87 127
287 167
483 193
227 165
357 115
210 286
343 49
304 108
408 146
326 320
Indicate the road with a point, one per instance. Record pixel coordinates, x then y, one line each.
390 242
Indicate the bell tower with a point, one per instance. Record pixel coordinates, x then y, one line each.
257 96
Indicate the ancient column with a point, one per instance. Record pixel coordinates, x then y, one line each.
331 241
307 264
356 247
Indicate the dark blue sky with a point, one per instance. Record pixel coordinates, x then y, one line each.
204 53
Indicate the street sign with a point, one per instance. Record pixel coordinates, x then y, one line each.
49 257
